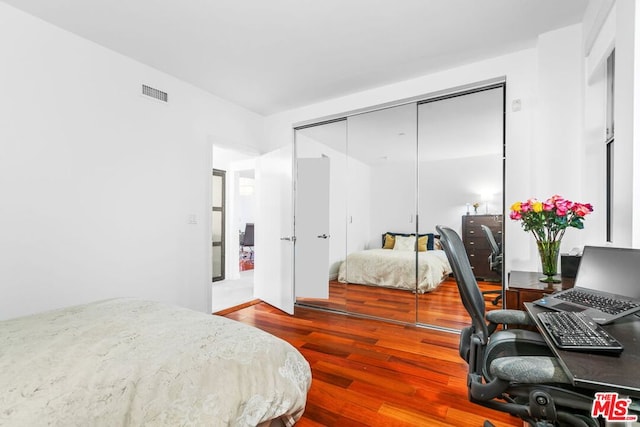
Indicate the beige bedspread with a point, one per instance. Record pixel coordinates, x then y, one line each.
395 269
127 362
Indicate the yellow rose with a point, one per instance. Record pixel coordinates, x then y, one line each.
537 206
516 206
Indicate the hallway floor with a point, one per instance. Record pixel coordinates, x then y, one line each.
229 293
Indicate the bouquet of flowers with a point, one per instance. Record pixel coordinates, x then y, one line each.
548 221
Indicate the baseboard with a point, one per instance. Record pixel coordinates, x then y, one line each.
237 307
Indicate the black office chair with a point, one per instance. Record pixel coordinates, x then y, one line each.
511 370
246 240
495 261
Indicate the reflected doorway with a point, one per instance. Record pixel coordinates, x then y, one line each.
320 152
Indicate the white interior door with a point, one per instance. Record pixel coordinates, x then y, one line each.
312 228
273 265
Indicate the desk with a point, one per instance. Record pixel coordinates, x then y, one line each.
600 372
525 286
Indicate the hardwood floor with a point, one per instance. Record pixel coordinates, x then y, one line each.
441 307
374 373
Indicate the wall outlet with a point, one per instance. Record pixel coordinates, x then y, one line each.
516 105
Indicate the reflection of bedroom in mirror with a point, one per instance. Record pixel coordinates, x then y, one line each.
460 152
393 175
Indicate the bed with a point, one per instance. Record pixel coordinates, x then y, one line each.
394 267
134 362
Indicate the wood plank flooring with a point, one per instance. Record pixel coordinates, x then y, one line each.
441 307
375 373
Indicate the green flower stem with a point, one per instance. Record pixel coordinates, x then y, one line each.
549 251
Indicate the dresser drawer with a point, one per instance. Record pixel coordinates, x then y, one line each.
472 241
476 243
479 259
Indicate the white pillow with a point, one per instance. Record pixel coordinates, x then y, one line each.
405 243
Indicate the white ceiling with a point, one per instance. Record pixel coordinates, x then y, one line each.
273 55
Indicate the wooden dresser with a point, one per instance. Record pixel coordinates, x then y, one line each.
477 246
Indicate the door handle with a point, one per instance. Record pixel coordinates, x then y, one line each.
323 236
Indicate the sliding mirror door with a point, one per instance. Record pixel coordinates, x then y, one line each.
370 190
320 209
381 188
460 164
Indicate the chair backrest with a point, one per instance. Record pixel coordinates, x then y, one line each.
470 294
495 248
247 239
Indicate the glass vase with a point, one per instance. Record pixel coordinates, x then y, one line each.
549 252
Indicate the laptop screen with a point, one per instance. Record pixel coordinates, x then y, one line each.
614 270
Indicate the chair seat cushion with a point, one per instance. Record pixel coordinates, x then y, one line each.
529 370
513 342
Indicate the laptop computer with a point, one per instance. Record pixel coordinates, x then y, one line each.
607 286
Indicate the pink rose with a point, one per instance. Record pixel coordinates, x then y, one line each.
555 198
547 206
582 209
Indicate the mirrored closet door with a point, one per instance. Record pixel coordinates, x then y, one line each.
381 186
382 180
460 163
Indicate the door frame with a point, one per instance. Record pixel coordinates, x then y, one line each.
223 175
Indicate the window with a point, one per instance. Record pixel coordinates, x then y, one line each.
609 138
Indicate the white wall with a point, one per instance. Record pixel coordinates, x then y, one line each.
557 154
98 182
553 161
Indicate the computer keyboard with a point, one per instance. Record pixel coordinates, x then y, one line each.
612 306
576 331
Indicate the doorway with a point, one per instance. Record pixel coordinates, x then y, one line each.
237 286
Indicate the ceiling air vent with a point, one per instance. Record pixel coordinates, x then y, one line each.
155 93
